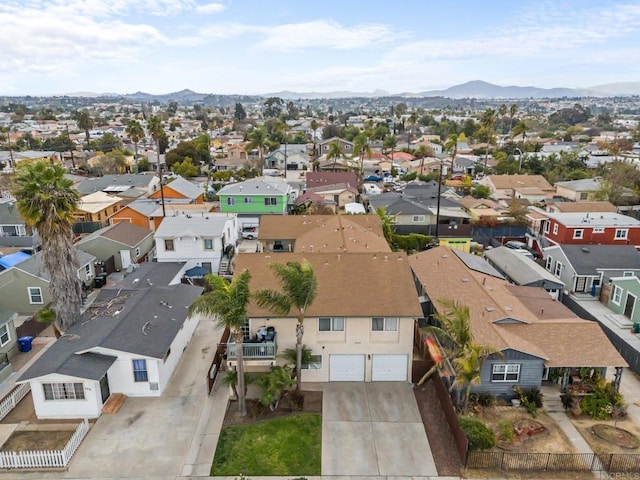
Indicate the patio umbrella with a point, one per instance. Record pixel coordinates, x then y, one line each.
196 272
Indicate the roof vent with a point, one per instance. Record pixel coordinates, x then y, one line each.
465 279
585 249
490 308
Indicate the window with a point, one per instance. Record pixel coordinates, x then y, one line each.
505 372
208 244
621 234
63 391
140 370
617 295
331 324
247 200
546 226
549 263
231 201
555 228
577 233
584 195
137 252
384 324
559 268
35 295
628 274
598 229
270 201
87 270
4 335
168 245
315 363
418 219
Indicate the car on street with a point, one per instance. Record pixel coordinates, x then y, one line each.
373 178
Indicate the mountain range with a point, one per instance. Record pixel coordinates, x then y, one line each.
472 89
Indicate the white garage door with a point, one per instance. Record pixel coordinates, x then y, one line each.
346 368
389 368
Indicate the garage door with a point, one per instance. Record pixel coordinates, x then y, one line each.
389 368
346 368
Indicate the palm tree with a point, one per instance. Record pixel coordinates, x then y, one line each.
314 127
258 138
47 202
335 152
488 122
513 110
468 366
299 287
226 302
390 142
421 152
451 146
135 132
156 130
84 122
520 128
361 147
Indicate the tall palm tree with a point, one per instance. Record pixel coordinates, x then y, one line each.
488 122
85 123
314 127
361 148
156 130
334 153
468 366
520 128
390 142
226 303
421 152
258 138
47 202
451 146
135 132
299 287
513 110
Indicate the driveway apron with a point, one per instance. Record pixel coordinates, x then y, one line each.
373 429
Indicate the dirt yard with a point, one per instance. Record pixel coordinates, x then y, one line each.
553 440
22 440
599 445
256 412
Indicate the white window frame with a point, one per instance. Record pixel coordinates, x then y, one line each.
598 230
616 296
32 294
336 324
270 201
87 270
547 226
621 234
418 219
505 370
137 252
314 364
204 243
5 334
140 375
549 264
388 324
247 200
167 242
63 391
628 274
558 270
231 201
578 233
555 228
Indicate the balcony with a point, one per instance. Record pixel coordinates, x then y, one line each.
254 350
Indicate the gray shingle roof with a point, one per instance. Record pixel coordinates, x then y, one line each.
9 214
519 268
587 259
257 186
200 226
148 321
95 184
35 264
186 188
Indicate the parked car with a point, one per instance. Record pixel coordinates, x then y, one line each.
250 233
373 178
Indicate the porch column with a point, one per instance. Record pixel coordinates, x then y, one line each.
617 378
565 380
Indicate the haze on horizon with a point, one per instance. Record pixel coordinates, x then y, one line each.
255 47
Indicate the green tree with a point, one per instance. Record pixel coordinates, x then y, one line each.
520 128
106 143
226 303
335 153
488 123
361 149
390 142
299 287
156 131
273 107
274 385
186 168
314 128
480 191
258 140
135 132
240 113
47 201
85 123
468 366
451 146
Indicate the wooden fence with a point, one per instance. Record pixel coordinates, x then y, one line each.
11 400
218 358
46 458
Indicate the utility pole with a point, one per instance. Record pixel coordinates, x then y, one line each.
73 163
164 213
438 204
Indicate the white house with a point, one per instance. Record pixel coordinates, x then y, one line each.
129 341
199 240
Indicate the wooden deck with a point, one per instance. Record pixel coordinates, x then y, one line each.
113 403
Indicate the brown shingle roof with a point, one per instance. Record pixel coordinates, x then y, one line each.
326 233
504 182
322 179
585 207
490 299
387 289
126 233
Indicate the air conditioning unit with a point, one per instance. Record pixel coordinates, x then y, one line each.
154 386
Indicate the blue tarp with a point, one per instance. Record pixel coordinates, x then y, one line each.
12 259
196 272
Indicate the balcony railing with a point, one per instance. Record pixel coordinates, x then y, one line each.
254 350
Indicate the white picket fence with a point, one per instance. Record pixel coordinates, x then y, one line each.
46 458
10 402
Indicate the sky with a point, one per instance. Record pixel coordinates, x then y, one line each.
53 47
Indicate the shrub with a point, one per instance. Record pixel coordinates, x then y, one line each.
485 399
531 399
479 435
506 431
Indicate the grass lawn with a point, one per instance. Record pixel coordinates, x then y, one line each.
281 446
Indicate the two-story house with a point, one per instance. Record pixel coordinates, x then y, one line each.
585 228
97 207
325 146
202 240
534 188
180 189
355 333
14 232
578 190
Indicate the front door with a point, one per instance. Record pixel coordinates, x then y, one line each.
581 283
104 388
628 307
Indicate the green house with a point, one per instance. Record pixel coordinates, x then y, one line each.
260 195
623 297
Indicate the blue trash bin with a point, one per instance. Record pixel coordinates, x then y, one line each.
24 343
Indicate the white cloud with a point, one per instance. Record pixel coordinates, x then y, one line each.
210 8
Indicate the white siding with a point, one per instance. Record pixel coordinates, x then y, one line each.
178 345
90 407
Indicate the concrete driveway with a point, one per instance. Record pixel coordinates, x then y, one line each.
373 429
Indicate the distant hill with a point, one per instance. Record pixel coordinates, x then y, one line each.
621 88
480 89
288 95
